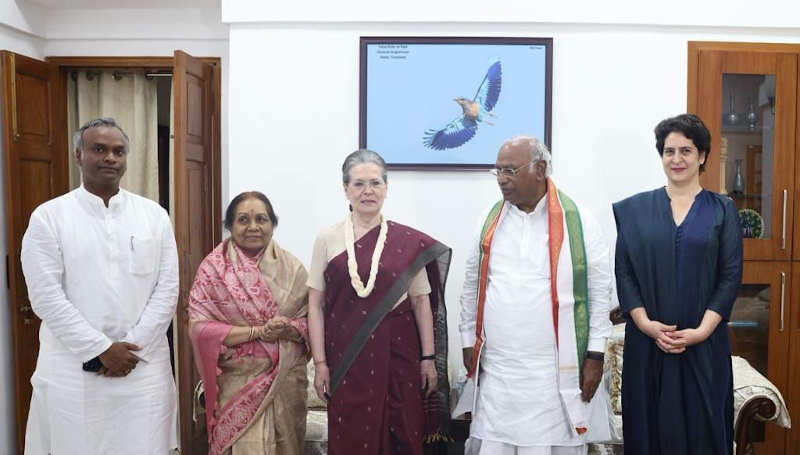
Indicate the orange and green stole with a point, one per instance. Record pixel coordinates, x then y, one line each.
568 294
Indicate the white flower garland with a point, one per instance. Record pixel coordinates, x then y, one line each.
352 265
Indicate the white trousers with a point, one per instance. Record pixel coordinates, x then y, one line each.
475 446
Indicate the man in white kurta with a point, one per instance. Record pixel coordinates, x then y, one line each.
518 408
102 274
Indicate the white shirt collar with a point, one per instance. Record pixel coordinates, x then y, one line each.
538 210
115 204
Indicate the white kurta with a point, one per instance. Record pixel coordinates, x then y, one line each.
518 401
96 275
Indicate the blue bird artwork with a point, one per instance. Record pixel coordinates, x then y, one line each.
473 111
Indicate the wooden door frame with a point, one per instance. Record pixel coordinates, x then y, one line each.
13 138
164 63
123 62
196 127
66 63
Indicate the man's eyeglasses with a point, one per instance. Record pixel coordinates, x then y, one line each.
507 171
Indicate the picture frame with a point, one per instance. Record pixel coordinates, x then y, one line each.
448 103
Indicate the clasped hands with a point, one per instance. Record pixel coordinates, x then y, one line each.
670 340
279 327
118 360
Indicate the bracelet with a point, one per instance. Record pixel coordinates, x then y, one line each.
595 355
317 362
428 357
252 331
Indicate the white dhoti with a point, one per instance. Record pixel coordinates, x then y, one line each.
475 446
76 412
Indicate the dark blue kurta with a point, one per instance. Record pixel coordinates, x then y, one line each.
674 404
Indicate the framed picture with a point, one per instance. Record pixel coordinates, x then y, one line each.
450 103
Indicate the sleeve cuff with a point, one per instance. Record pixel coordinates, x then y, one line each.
468 339
597 344
725 315
98 349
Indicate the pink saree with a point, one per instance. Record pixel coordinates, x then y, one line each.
255 392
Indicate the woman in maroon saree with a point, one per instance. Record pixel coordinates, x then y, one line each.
378 325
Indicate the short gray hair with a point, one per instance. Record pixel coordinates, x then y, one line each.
538 150
362 156
77 138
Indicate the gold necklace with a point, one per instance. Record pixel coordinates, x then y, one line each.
352 265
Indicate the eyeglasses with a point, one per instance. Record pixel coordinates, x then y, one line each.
507 171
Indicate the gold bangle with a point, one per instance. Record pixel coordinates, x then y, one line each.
252 330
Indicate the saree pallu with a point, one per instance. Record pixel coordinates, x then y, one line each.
378 407
255 392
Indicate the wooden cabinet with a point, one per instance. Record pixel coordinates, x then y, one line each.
747 94
792 394
759 328
748 100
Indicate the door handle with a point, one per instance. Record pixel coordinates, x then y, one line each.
14 122
783 300
783 221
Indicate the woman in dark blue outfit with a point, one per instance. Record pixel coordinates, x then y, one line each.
678 268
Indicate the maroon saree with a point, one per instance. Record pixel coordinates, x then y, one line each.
377 405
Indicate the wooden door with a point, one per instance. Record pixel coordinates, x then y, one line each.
751 160
760 329
198 221
35 158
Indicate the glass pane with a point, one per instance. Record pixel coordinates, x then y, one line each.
749 325
747 147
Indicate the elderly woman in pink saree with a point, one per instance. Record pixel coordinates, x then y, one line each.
247 312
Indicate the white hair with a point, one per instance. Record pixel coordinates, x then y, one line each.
362 156
537 150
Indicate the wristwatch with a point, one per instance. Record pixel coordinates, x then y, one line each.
93 366
595 355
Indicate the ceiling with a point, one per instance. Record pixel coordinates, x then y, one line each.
125 4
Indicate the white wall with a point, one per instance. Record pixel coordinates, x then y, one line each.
12 39
23 43
725 13
294 117
148 24
22 16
